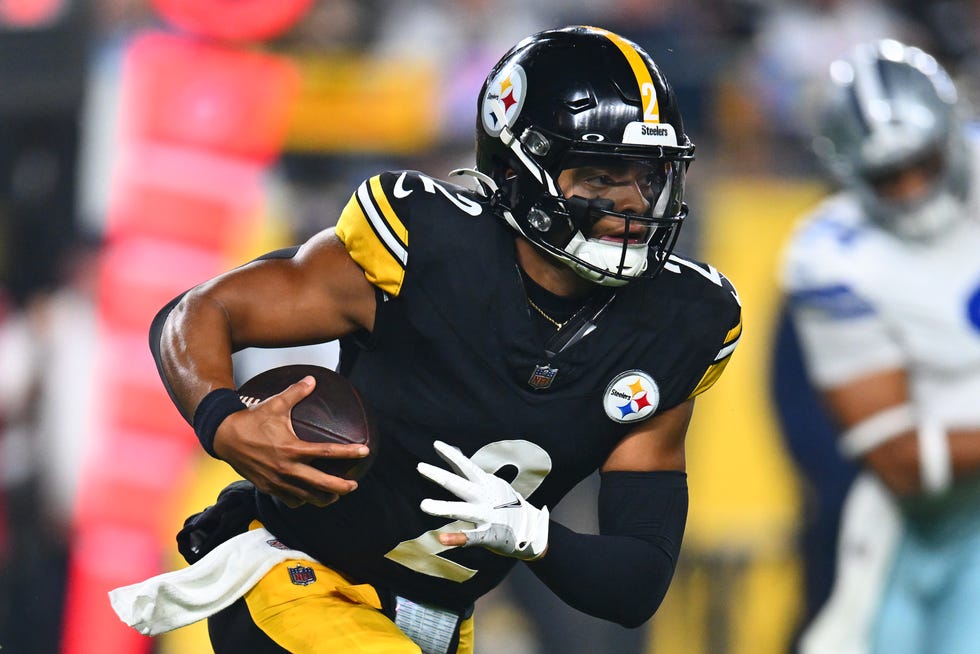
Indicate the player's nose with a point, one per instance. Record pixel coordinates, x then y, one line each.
631 198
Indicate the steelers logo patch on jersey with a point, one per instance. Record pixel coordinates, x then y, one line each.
631 396
504 99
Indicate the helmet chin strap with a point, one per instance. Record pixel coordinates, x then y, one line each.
606 256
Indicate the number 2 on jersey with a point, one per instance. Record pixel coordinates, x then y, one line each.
421 554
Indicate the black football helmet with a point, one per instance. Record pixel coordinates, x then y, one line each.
572 97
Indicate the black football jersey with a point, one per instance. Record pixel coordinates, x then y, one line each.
456 355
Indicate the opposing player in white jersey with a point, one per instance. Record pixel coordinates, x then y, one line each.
883 280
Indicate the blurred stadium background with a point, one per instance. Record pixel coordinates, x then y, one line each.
146 145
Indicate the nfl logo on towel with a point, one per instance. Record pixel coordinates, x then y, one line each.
542 377
302 575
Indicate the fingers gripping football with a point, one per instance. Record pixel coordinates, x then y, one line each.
504 522
261 445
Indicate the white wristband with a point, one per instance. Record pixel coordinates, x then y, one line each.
935 464
875 430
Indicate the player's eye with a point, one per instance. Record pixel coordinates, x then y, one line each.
606 180
654 178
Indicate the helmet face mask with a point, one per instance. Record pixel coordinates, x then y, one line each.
583 97
890 113
886 181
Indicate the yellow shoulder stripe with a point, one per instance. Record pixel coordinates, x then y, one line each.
733 333
391 220
711 375
375 237
724 355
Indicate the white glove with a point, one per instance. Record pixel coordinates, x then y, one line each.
504 521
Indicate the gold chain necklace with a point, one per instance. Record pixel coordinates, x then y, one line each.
558 325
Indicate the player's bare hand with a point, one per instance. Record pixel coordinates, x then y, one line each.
260 444
453 539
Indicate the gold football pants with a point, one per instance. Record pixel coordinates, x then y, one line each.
301 607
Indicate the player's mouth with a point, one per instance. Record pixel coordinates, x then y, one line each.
633 237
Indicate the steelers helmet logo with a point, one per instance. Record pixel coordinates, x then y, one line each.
631 396
503 99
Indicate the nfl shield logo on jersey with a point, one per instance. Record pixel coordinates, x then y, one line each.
302 575
631 396
542 377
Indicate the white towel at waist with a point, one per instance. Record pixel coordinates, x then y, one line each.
176 599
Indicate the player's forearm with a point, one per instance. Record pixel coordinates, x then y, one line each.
623 574
904 463
616 578
964 449
195 351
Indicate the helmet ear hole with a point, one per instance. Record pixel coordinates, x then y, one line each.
539 220
536 142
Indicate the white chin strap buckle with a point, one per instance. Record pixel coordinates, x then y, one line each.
607 256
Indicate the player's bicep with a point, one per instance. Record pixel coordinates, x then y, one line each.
654 444
317 294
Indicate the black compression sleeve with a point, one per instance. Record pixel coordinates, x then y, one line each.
622 574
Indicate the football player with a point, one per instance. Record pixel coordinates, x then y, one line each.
513 335
884 285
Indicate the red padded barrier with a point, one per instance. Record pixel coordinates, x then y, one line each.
133 397
104 557
200 123
200 94
182 195
136 470
139 276
234 19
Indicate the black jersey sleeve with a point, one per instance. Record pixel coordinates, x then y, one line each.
724 339
706 323
390 211
691 317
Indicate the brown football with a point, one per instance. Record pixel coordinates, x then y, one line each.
333 413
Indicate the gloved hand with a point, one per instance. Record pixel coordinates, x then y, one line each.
504 521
